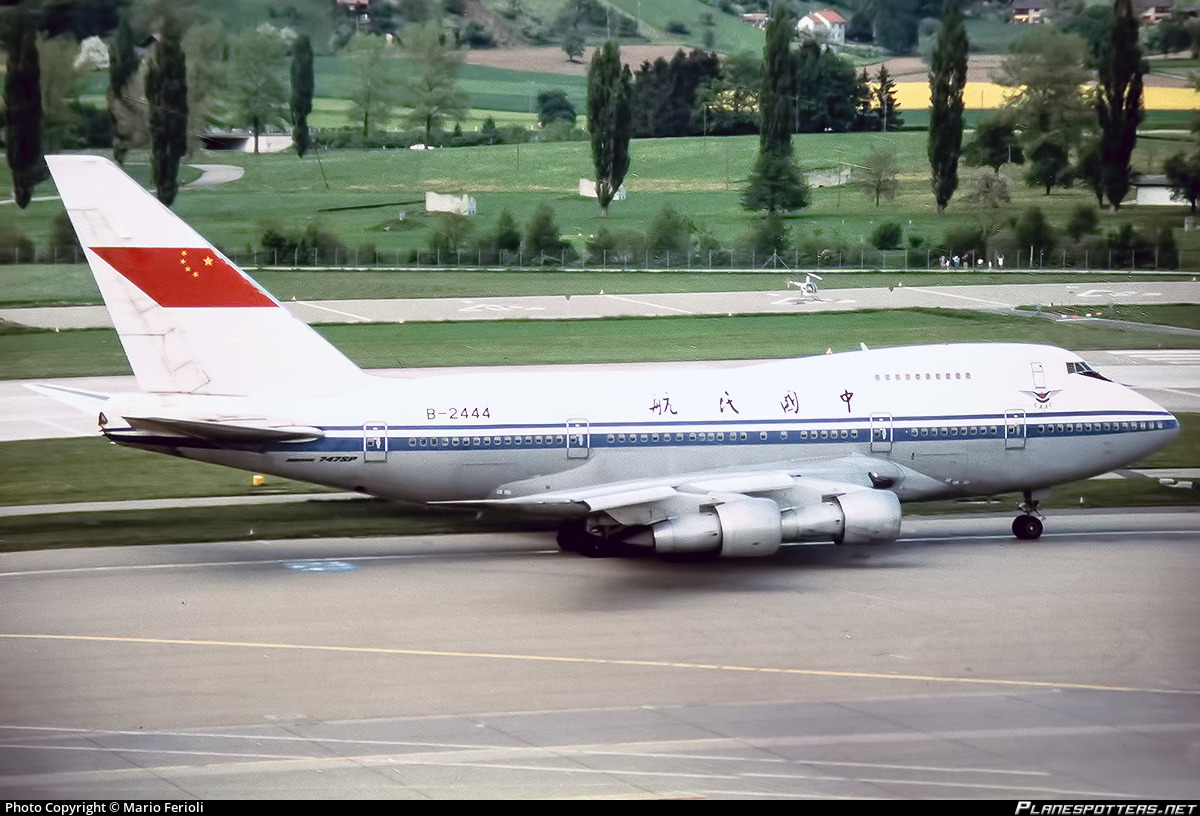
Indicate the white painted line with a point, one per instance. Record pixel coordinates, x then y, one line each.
646 303
313 305
943 293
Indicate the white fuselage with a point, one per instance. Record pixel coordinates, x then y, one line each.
935 421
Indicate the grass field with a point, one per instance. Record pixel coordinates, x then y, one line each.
701 178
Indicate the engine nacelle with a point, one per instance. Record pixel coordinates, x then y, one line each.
737 529
856 517
755 526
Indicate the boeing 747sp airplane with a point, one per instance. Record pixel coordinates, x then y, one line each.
734 460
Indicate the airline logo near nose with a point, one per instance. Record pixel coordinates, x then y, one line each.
184 276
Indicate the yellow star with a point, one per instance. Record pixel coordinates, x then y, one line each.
208 261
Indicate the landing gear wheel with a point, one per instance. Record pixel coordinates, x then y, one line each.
574 537
1027 528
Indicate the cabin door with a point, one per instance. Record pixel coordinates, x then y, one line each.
375 442
881 433
578 439
1014 429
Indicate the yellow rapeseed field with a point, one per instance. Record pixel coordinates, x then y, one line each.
988 95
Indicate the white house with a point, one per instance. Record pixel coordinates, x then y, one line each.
826 25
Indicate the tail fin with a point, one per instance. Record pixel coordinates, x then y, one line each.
190 321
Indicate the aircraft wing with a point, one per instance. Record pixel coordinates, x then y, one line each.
799 488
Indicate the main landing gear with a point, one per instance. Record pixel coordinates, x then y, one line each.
1028 526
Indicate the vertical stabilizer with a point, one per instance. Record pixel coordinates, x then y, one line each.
189 319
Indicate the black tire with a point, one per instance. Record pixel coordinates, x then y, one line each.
574 537
1027 528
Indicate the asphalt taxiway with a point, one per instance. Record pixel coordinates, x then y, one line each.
954 663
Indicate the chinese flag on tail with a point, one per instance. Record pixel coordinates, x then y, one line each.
194 277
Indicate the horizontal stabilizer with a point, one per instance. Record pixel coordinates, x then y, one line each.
223 434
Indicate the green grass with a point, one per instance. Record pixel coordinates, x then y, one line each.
47 285
701 178
94 469
44 354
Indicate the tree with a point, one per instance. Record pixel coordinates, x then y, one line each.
432 90
610 120
897 26
58 79
542 239
257 90
572 43
23 107
302 92
664 94
373 94
990 190
670 234
126 102
205 47
166 94
825 88
1183 174
878 175
947 78
553 105
992 144
1049 166
885 105
1119 101
775 182
1047 70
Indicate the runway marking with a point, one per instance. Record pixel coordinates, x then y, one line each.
598 661
942 293
330 309
647 303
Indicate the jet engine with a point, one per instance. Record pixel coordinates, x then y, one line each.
756 526
856 517
739 528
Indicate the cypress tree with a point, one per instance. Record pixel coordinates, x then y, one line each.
23 105
1119 101
166 93
775 182
122 66
610 120
302 91
947 77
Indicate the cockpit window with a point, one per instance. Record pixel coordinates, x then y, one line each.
1080 367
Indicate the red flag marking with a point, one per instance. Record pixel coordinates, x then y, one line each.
184 276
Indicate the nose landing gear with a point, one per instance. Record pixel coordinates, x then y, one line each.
1028 526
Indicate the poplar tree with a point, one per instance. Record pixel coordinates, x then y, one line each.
302 91
23 107
1119 102
166 93
122 70
775 182
610 120
947 77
